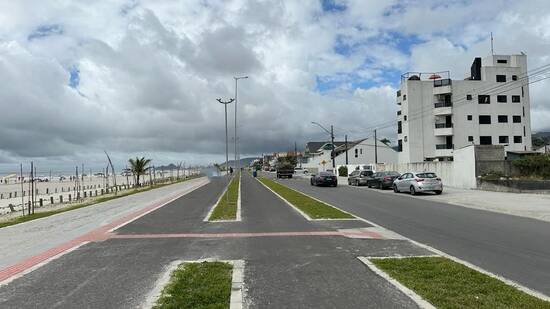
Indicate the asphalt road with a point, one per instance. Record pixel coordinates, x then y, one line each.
283 271
514 247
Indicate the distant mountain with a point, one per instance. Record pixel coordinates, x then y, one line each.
542 134
243 161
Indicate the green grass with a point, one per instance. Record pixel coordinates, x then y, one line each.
226 209
197 285
98 200
313 208
448 284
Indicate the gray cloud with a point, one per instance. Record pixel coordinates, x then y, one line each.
150 72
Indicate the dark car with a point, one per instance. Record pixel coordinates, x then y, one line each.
382 180
324 179
358 178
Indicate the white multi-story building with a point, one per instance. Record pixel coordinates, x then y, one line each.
489 107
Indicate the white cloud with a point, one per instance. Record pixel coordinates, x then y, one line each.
150 71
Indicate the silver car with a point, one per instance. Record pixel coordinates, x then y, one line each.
418 182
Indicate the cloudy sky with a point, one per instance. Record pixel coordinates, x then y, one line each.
141 77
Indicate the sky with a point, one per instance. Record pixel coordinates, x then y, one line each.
141 78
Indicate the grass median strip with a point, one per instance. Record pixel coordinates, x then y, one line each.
448 284
311 207
42 214
226 208
197 285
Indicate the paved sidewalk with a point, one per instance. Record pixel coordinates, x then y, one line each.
30 238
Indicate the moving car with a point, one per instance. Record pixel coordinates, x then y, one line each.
359 177
324 179
382 180
415 182
285 169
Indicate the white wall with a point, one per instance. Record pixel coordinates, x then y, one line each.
459 173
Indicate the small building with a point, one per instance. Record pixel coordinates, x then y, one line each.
361 152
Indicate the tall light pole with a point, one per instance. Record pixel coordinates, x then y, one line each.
331 133
226 137
236 100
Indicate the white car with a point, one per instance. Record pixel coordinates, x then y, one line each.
416 182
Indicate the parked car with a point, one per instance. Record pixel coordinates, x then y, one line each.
418 182
382 180
324 179
359 177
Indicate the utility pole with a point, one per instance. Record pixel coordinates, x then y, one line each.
226 136
332 152
375 148
346 141
22 190
236 100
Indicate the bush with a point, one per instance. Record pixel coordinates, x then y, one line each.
537 165
343 171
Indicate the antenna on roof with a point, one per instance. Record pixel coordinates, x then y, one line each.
492 50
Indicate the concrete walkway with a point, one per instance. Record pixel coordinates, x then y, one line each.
27 239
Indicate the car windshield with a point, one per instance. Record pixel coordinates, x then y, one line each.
392 174
426 175
326 174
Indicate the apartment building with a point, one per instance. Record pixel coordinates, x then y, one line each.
489 107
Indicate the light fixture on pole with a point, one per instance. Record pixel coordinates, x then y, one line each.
226 137
331 133
236 138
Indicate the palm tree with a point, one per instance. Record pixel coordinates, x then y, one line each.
139 167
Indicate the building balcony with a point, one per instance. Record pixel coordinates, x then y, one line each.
443 150
442 86
442 129
443 108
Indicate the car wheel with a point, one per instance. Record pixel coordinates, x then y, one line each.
380 186
438 192
412 190
395 189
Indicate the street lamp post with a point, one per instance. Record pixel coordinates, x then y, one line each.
331 133
226 137
237 164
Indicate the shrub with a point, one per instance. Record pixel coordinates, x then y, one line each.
343 171
537 165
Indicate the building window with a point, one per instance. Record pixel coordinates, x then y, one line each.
469 117
405 139
501 78
516 99
502 61
522 93
404 97
516 119
468 97
503 139
517 139
399 127
483 99
523 109
398 93
514 77
484 119
405 118
360 150
470 138
356 153
399 145
501 99
502 118
524 131
485 140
